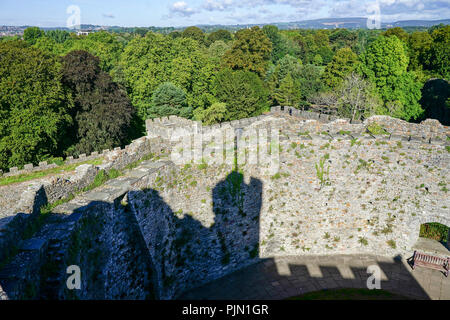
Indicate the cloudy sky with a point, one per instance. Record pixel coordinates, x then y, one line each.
192 12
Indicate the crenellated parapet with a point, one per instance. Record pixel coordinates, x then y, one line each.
428 131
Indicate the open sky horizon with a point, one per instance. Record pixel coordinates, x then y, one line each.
176 13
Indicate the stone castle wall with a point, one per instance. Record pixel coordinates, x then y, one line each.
163 229
21 216
429 131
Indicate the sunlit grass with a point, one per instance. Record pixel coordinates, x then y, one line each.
39 174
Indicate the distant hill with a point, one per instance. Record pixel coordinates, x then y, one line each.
328 23
332 23
420 23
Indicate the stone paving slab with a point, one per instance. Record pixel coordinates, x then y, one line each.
262 280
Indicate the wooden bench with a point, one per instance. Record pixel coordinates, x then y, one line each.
431 262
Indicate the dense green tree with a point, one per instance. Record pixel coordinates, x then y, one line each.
343 63
33 105
219 35
216 113
103 112
435 98
307 47
318 60
289 92
242 91
194 33
398 32
440 51
10 38
216 51
150 61
419 48
250 51
385 64
175 34
169 100
49 45
341 38
326 55
435 27
59 36
313 47
288 65
292 47
365 38
321 38
31 34
101 44
310 80
278 43
140 31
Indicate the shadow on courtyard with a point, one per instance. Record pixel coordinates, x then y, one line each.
230 248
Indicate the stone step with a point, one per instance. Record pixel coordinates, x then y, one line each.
34 244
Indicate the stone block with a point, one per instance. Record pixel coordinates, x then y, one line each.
13 170
43 164
28 166
82 156
275 109
33 244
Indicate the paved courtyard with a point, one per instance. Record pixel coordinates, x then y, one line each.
284 277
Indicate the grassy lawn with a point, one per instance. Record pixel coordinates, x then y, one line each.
39 174
350 294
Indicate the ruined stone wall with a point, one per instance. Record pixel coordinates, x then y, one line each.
164 228
375 195
23 213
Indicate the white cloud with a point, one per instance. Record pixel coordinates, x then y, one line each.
181 8
258 11
218 5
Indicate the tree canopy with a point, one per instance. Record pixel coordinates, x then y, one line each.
250 51
219 35
194 33
385 64
31 34
34 107
150 61
102 113
168 100
440 51
242 91
343 63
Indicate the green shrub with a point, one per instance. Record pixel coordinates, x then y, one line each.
363 241
276 176
322 174
377 129
435 231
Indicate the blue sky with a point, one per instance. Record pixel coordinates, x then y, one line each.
50 13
